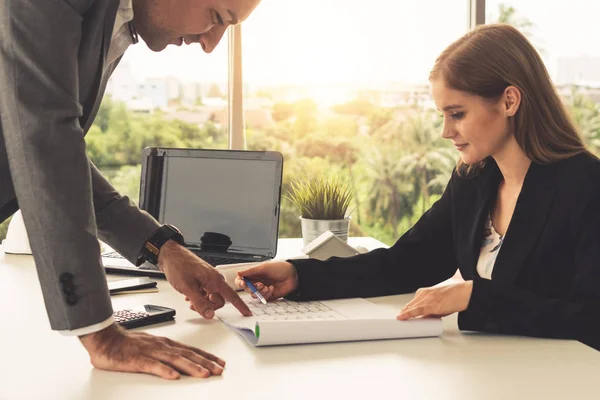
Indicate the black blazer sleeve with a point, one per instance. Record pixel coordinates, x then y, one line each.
423 256
504 308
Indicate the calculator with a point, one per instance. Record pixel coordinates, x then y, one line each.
147 314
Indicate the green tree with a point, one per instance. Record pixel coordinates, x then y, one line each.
427 157
97 146
282 111
357 106
586 115
412 163
305 113
390 193
103 118
509 15
265 94
430 170
127 181
263 140
379 117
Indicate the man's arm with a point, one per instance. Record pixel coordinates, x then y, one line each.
120 222
39 110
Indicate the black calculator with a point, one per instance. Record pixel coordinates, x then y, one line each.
143 315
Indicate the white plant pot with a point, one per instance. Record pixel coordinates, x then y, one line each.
313 228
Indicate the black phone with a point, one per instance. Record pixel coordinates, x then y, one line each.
130 284
147 314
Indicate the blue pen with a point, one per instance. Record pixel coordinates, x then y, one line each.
256 292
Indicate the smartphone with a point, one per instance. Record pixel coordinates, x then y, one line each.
130 284
147 314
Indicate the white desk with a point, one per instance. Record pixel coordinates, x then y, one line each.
36 363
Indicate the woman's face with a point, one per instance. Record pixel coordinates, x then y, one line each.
477 127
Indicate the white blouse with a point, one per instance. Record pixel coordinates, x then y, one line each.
490 247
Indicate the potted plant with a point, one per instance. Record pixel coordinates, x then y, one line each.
323 204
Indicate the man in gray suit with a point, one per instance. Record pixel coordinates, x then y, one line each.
55 60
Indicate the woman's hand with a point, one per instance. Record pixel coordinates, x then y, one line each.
274 279
438 301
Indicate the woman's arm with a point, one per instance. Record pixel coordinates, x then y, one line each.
423 256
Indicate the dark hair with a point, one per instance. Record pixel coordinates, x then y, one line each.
487 60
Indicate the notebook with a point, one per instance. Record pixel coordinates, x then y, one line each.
285 322
225 202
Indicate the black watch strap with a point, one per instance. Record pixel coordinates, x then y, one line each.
151 248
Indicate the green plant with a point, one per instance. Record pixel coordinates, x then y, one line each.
4 228
325 197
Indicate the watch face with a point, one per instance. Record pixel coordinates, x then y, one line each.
167 232
174 228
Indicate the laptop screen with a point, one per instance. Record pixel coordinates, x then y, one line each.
226 193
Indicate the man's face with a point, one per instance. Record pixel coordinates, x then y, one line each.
164 22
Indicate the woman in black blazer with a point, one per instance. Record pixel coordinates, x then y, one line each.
520 216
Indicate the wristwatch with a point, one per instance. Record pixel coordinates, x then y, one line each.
151 248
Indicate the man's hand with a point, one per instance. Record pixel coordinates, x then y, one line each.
115 349
438 301
197 280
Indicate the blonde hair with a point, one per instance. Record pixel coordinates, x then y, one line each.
487 60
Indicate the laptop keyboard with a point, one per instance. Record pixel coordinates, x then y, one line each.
284 310
212 260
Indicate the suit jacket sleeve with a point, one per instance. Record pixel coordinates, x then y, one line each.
508 309
39 109
423 256
120 222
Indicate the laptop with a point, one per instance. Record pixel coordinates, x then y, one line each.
225 202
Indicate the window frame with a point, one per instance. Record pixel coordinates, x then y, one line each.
476 13
237 131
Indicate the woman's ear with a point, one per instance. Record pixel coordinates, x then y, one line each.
512 100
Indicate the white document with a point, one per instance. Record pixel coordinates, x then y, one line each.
285 322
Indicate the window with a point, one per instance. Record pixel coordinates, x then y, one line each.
176 98
342 86
566 38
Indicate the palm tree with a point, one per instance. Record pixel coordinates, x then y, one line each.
427 160
430 169
412 162
390 193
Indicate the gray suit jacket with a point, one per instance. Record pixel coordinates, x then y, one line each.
53 74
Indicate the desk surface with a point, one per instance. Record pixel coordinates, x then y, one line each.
38 363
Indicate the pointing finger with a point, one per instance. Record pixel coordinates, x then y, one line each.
230 295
